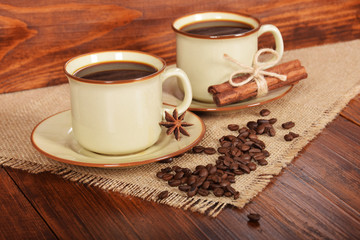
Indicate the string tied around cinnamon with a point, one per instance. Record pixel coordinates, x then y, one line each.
257 71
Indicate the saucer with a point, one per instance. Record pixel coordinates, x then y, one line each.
173 96
54 138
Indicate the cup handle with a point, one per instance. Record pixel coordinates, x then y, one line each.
177 72
279 43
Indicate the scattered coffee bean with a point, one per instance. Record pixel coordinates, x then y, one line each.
209 151
288 137
238 156
233 127
163 195
167 160
295 135
167 176
288 125
254 217
198 149
264 112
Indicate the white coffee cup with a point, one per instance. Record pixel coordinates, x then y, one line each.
120 117
202 57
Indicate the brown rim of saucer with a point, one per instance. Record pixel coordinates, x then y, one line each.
118 165
114 82
215 37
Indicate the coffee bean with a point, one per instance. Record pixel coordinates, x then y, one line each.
163 195
206 185
160 174
236 195
226 144
224 183
254 150
295 135
198 149
179 175
242 130
262 162
251 166
244 168
231 179
192 191
166 170
251 124
167 160
264 112
253 217
174 182
192 179
233 127
272 132
203 192
209 151
203 172
184 188
218 192
235 152
272 120
260 129
252 136
288 125
258 156
245 148
184 180
288 137
167 176
212 170
230 189
238 172
223 150
266 153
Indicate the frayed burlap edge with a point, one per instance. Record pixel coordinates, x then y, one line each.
208 207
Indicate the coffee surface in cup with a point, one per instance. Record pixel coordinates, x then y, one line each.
217 28
116 71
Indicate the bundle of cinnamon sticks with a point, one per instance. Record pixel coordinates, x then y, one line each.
224 93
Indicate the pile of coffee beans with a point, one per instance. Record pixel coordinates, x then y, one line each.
202 181
239 154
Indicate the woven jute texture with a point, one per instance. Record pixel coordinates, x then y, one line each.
333 80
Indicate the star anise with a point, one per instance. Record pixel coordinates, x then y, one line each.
175 124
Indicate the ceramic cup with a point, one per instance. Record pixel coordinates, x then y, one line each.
202 57
120 117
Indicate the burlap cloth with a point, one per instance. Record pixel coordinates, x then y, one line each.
333 80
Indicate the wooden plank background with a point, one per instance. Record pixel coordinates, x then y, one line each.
37 37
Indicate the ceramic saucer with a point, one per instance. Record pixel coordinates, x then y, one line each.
173 96
54 138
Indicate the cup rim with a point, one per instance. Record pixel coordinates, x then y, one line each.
215 37
147 77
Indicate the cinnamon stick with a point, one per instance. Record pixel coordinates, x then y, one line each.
224 94
282 68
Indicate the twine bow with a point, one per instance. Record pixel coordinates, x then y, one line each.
257 71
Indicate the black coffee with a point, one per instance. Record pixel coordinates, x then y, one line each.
116 71
217 28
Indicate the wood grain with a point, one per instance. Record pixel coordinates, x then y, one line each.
37 37
18 218
315 197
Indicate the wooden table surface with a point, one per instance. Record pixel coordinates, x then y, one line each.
316 197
